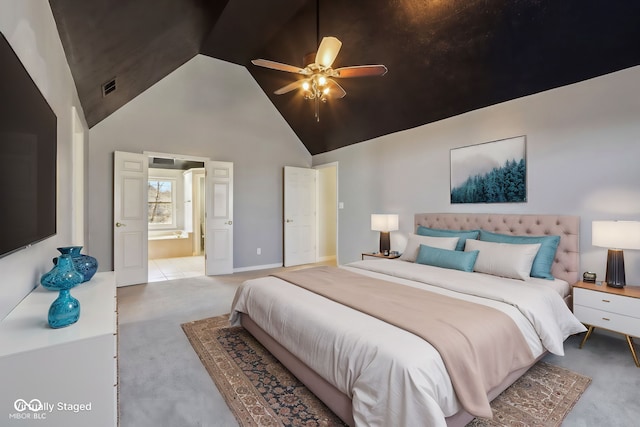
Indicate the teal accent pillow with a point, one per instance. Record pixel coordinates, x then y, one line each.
455 260
437 232
543 261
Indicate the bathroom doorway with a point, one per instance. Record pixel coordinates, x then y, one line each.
176 203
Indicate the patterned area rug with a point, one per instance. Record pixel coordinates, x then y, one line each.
261 392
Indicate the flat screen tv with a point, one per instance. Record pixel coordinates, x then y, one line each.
28 129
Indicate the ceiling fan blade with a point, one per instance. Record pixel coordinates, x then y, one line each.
360 71
335 90
278 66
327 51
291 86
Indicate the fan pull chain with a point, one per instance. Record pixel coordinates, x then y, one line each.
317 23
317 101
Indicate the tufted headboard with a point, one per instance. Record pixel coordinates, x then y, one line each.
567 261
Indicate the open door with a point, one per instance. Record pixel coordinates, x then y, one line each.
299 216
130 229
219 218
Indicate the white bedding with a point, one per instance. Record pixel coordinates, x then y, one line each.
392 376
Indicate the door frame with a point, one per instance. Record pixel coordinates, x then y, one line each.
78 187
202 159
337 207
317 219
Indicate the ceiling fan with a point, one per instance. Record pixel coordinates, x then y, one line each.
318 82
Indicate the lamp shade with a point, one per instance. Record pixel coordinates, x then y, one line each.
616 234
384 222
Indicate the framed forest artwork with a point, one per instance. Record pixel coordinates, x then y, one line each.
493 172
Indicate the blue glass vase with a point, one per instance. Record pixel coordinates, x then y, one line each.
65 310
85 264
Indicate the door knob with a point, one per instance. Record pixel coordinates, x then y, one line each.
289 220
229 222
119 224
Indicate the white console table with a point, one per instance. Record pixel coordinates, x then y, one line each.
71 371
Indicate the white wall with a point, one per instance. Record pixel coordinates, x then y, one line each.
29 27
208 108
583 152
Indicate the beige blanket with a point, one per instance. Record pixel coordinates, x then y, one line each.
479 345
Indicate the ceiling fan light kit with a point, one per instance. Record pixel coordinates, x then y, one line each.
319 84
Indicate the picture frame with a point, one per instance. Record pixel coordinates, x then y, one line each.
491 172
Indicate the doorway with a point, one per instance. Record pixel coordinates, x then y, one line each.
176 189
327 188
133 207
310 215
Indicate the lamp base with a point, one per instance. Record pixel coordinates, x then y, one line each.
615 276
385 242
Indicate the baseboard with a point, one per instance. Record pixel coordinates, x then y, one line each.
327 258
256 267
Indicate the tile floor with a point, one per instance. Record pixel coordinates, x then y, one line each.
175 268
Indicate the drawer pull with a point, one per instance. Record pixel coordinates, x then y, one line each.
604 318
605 300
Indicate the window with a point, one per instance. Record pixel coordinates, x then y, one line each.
161 203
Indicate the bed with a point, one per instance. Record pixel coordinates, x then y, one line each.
370 372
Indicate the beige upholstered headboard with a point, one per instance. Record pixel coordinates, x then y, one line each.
567 261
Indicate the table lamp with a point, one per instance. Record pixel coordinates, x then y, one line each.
384 223
616 236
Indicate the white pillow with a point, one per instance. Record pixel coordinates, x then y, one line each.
413 245
503 259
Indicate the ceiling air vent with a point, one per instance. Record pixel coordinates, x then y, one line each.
108 87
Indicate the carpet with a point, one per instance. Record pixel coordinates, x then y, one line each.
261 392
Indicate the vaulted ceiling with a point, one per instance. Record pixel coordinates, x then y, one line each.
445 57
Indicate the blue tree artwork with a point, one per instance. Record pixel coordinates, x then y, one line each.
493 172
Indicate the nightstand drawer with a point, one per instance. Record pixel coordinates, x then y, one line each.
607 302
607 320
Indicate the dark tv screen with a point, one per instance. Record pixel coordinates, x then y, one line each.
28 130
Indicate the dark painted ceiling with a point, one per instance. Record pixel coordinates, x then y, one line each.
445 57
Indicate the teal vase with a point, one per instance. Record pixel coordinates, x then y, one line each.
85 264
65 310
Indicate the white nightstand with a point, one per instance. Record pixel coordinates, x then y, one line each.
614 309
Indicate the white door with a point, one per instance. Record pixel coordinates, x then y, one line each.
299 216
130 229
219 218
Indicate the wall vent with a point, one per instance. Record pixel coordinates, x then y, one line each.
162 161
108 87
